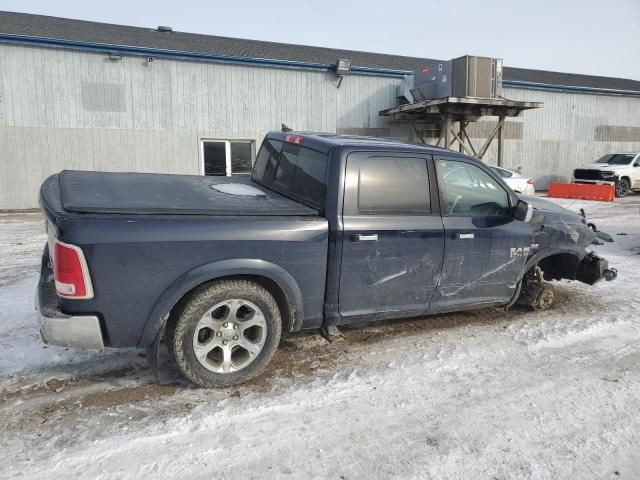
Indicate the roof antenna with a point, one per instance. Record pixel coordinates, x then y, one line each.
286 129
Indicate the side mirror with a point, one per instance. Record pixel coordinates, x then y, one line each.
637 165
523 211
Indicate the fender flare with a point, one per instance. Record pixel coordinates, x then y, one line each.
210 271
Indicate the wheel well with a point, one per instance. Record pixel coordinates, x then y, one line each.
287 310
560 265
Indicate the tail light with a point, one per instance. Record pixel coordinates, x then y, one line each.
530 181
70 272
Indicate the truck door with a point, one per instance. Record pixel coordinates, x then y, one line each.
393 239
485 248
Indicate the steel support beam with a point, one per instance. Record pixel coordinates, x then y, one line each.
500 141
415 132
487 143
461 144
446 121
466 136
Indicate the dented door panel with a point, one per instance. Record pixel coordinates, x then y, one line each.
486 268
393 241
397 272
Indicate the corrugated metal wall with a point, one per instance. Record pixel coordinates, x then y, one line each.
78 110
570 130
69 109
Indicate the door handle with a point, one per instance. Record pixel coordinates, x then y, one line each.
358 237
464 236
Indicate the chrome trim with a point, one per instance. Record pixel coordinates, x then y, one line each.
465 236
73 331
365 238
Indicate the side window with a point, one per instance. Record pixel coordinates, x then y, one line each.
469 191
393 185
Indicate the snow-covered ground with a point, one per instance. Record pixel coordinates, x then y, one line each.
482 394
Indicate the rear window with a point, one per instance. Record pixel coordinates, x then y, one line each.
296 171
267 160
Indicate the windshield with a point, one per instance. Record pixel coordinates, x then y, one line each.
503 173
617 159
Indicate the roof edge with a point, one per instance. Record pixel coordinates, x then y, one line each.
198 56
569 88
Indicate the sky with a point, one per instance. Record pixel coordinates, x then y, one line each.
588 36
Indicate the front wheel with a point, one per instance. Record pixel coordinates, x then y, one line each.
225 333
535 292
622 187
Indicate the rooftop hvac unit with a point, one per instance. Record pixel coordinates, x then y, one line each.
466 76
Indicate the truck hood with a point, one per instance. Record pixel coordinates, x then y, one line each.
154 194
554 225
547 206
601 166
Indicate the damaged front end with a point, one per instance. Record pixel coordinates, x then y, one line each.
561 250
593 268
564 239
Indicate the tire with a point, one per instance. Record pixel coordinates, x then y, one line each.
233 325
622 187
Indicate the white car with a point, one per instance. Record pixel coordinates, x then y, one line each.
518 183
620 169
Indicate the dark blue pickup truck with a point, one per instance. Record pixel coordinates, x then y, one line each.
328 230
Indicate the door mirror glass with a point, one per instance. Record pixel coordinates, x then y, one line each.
523 211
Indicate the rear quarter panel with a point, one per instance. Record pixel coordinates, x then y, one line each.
133 260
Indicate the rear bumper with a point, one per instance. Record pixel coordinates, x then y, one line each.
57 328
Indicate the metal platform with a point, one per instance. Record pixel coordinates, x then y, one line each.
442 114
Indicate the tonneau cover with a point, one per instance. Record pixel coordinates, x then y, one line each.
153 193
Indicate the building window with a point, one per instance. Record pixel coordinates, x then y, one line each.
227 157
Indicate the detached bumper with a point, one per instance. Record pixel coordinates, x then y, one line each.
593 268
57 328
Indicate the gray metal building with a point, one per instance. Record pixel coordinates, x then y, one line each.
85 95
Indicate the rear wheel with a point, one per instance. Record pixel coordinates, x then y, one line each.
225 333
622 187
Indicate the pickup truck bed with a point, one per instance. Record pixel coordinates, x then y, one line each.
154 194
148 252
